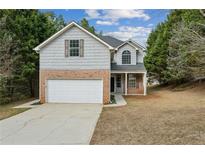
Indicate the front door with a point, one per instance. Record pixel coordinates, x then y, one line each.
112 84
118 83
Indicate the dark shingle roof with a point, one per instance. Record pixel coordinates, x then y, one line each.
138 67
116 42
111 41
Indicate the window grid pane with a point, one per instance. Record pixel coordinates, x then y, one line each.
132 81
126 57
132 84
74 52
74 48
118 82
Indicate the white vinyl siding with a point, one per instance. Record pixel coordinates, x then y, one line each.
74 91
134 56
96 55
141 55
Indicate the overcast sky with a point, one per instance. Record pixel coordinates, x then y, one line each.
122 24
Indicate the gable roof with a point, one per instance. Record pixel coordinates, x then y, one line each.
65 29
132 43
111 41
136 43
116 43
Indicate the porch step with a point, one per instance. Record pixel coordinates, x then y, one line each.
120 101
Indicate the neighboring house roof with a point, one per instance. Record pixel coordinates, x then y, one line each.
111 41
128 68
65 29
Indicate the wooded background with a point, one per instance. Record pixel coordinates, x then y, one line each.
20 32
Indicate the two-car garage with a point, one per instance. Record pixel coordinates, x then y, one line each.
74 91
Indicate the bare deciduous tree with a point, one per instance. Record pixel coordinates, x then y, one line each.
187 52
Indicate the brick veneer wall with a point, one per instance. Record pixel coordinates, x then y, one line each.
75 74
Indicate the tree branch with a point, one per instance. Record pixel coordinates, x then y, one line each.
202 12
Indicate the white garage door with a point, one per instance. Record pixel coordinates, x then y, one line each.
75 91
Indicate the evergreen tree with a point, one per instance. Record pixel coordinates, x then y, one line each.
84 23
23 30
157 60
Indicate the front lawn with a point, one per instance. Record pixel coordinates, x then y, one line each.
7 110
162 117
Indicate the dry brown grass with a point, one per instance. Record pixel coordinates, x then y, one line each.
7 110
161 117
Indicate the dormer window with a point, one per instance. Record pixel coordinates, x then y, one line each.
126 57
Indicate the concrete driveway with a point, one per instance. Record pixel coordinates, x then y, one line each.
51 124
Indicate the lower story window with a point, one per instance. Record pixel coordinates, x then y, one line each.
118 81
132 81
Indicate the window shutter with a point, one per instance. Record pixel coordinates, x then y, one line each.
81 48
67 48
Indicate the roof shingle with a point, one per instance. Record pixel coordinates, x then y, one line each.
111 41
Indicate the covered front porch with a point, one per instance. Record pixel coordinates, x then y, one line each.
128 79
128 83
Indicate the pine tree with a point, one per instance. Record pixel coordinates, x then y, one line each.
22 30
84 23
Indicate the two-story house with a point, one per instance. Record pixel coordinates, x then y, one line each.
77 66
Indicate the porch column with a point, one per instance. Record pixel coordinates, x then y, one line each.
125 83
145 83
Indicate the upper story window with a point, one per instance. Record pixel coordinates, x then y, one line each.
74 48
126 57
